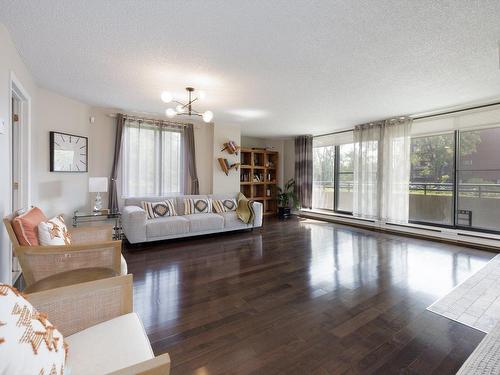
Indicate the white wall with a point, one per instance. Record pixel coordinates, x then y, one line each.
10 62
289 160
58 192
221 183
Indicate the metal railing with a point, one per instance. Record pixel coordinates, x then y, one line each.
430 188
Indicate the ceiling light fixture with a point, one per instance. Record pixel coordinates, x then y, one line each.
186 109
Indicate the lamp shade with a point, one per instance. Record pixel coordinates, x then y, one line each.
98 184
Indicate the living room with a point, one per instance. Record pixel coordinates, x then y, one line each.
249 187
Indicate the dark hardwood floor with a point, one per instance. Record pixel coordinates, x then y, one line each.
303 297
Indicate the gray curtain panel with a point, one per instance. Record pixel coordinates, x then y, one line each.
304 170
190 157
113 194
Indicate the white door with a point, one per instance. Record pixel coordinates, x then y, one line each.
16 170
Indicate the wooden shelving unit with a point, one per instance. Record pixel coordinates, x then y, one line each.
258 177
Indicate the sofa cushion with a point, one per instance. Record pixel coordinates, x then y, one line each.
109 346
197 206
160 209
167 226
53 232
204 222
231 220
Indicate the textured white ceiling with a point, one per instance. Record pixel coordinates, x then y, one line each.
276 67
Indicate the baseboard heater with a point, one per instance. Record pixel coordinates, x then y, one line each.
476 236
412 227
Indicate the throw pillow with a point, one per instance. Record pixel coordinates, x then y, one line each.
29 343
197 206
159 209
26 226
54 232
224 205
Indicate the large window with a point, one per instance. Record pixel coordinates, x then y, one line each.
323 176
151 160
432 179
333 172
478 175
473 200
345 177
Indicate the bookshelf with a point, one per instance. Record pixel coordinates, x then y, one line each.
258 177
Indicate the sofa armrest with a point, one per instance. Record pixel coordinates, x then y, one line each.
155 366
258 210
134 223
76 307
39 262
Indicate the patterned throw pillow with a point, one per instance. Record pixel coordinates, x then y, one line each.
29 343
159 209
197 206
224 205
53 232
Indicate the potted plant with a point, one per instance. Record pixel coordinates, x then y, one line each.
286 197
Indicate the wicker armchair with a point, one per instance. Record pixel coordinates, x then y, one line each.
104 335
91 247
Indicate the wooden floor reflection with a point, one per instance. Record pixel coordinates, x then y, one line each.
303 297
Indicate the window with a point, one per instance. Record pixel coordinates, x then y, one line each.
333 172
151 159
323 176
478 175
345 177
432 179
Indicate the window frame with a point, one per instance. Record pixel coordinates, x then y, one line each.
123 166
456 170
336 183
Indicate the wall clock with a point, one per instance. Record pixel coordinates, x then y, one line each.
68 153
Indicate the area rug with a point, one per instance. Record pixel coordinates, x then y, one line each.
476 301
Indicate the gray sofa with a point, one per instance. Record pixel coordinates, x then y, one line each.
138 228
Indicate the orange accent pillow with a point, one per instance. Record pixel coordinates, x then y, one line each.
26 226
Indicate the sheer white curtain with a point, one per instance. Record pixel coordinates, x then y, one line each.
382 170
152 159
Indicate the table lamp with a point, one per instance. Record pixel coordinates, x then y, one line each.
98 185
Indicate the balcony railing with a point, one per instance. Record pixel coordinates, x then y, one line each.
429 188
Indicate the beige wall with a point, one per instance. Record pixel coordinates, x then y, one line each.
289 159
58 192
221 183
10 63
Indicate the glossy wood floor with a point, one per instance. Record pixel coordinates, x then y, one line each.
303 297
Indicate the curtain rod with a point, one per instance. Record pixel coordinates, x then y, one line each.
455 111
416 117
153 120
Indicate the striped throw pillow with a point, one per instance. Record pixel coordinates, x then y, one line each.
197 206
159 209
224 205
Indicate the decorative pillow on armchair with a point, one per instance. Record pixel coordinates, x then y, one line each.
159 209
26 226
29 343
53 232
197 206
224 205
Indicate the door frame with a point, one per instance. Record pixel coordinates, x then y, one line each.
18 92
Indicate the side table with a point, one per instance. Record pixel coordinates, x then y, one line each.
80 217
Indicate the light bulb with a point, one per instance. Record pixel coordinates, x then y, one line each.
166 97
170 113
208 116
179 108
202 95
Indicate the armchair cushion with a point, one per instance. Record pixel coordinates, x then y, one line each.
109 346
26 226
